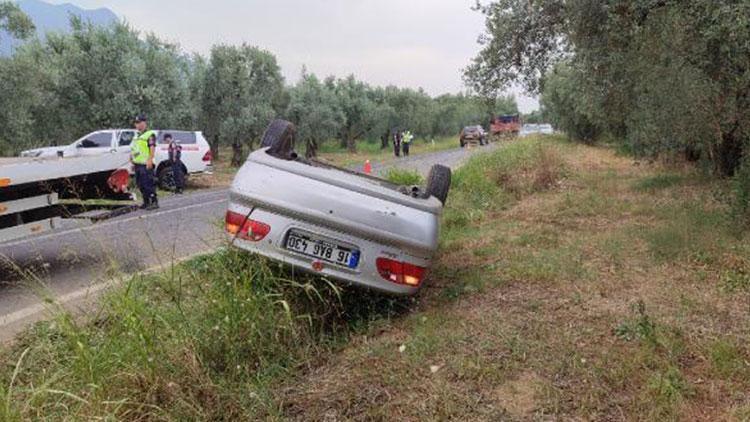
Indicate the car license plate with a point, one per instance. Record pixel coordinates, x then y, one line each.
324 250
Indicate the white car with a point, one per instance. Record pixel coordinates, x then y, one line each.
196 153
531 128
334 222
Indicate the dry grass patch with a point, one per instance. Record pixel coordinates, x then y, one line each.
612 293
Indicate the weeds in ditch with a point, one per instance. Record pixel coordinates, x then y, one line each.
403 177
202 341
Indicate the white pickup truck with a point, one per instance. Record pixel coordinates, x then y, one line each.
344 225
196 153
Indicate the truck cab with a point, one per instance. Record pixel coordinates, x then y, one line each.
94 143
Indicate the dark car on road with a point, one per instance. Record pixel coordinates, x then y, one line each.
472 134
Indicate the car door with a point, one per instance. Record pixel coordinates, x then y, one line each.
124 139
96 143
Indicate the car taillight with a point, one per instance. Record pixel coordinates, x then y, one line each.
245 228
118 181
400 272
208 157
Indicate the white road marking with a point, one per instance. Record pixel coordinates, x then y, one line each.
108 223
31 310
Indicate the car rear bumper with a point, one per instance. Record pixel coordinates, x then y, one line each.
365 274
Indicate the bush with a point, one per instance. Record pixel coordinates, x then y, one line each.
404 177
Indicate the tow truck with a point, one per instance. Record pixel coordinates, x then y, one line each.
36 194
506 126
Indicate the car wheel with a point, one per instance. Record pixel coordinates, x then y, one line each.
438 183
166 178
279 139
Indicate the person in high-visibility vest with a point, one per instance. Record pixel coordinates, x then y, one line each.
407 142
142 151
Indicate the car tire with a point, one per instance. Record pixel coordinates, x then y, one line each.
166 178
279 138
438 183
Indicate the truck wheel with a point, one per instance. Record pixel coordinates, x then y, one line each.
279 139
166 178
438 183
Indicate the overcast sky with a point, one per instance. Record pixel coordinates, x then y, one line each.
415 43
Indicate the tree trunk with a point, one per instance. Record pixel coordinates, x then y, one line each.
384 140
351 145
215 147
236 154
311 150
728 154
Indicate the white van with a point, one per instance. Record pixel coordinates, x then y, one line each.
196 153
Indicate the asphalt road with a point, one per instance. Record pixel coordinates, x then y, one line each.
72 264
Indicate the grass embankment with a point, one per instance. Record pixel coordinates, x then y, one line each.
571 283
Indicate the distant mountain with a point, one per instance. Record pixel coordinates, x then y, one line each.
54 17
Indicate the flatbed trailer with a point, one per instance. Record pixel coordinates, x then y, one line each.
31 189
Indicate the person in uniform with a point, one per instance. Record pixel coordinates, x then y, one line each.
142 152
175 160
406 142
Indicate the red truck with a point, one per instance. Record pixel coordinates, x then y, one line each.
505 126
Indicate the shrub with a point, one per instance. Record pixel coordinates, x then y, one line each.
403 177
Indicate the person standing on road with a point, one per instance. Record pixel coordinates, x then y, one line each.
142 153
407 142
175 159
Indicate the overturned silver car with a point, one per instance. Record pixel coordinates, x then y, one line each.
343 225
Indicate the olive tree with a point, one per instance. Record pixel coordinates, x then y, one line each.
242 90
314 109
14 21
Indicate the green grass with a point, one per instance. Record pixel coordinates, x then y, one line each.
558 292
658 182
200 341
403 177
494 181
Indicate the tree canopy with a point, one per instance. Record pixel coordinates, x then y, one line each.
662 76
54 90
14 21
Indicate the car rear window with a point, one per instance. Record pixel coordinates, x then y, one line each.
181 136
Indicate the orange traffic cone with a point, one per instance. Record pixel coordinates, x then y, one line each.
368 167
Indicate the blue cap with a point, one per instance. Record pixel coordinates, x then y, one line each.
141 118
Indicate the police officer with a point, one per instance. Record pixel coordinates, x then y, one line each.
142 152
406 142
